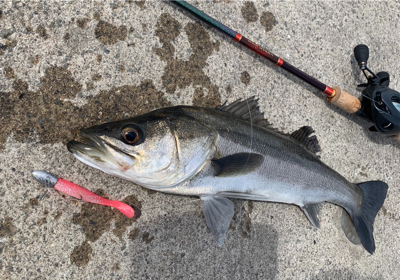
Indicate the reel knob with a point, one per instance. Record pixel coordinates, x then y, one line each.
361 52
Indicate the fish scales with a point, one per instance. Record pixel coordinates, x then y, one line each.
288 167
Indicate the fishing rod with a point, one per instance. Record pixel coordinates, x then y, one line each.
378 103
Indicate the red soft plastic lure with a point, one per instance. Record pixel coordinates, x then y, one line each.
71 189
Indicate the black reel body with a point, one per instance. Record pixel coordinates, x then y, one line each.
382 105
379 103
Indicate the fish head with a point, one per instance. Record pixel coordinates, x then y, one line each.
155 150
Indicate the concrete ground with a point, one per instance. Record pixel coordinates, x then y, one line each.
65 65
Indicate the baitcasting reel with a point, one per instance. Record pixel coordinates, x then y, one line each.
379 103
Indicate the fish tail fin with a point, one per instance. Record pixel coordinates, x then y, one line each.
374 194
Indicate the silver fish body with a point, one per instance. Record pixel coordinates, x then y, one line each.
227 152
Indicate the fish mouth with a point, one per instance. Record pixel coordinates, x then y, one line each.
89 145
99 153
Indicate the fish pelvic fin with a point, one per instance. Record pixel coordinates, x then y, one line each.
363 218
218 212
312 213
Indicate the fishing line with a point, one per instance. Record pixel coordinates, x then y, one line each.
258 39
291 61
383 111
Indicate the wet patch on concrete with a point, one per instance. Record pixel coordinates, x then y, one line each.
245 78
59 82
32 202
119 102
167 29
116 267
96 77
268 20
96 219
34 59
147 238
183 239
141 4
9 73
179 73
46 114
99 58
246 223
66 37
249 12
7 228
9 45
391 215
96 16
241 219
42 221
133 234
122 222
82 22
341 274
80 256
121 68
5 33
109 34
57 215
29 29
42 32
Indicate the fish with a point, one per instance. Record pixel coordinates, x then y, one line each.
230 151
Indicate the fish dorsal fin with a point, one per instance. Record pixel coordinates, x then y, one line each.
237 164
302 135
218 212
247 109
312 212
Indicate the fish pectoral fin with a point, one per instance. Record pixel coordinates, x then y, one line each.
218 212
237 164
348 228
312 213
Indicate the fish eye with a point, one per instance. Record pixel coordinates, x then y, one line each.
131 135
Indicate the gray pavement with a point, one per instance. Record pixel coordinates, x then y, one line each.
65 65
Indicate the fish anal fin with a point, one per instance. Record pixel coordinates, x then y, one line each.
312 213
302 135
349 229
218 212
237 164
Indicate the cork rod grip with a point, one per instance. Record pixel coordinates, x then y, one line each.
345 101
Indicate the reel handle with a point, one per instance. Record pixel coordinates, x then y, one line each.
344 100
361 53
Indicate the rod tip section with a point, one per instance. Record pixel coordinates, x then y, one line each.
45 178
344 101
